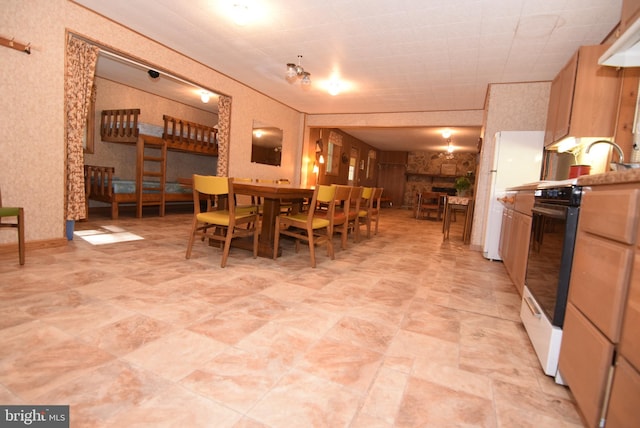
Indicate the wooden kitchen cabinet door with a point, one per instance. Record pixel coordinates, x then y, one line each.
624 403
599 277
586 358
630 341
630 13
584 98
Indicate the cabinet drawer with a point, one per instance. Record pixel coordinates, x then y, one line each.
610 213
524 202
630 341
625 397
599 281
585 362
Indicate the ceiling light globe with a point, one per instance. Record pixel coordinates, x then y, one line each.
306 79
291 71
334 87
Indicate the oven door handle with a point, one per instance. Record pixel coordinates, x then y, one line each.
532 307
550 211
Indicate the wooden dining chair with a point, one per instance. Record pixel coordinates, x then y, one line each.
369 210
220 224
353 217
339 218
430 202
375 211
18 213
307 226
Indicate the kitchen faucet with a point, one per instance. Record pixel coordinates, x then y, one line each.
615 146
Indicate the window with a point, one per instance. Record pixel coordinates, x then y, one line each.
371 159
333 153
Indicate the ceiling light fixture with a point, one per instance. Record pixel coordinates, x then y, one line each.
205 96
334 87
297 71
448 153
446 133
240 14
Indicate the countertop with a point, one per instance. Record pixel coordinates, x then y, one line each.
612 177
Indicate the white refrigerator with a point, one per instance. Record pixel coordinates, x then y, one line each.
517 160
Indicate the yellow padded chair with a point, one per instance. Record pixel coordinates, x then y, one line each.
18 213
369 210
245 203
340 219
354 211
221 224
309 227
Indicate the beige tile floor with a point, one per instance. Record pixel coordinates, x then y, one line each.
401 330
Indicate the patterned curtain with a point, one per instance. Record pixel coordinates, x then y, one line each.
224 118
80 70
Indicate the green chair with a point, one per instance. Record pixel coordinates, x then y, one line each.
17 212
221 224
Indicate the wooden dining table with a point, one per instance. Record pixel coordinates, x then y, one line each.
271 195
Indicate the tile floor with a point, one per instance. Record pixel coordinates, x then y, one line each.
401 330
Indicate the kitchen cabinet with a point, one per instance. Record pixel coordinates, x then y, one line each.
514 238
602 317
622 410
584 98
629 14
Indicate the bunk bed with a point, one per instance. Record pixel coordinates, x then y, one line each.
152 143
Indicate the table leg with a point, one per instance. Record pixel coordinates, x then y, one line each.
270 212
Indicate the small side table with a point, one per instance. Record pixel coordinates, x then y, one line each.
460 203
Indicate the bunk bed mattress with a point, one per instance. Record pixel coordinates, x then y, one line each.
129 186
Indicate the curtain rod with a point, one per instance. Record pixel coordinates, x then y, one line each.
147 66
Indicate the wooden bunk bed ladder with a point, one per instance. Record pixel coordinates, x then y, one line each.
151 172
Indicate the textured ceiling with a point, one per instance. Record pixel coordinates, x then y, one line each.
392 56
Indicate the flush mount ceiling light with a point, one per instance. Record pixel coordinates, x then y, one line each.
240 14
295 72
205 96
334 87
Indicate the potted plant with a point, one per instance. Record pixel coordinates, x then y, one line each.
462 185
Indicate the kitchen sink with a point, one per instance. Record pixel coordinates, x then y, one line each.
615 166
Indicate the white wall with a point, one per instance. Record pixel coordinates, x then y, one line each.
509 107
32 148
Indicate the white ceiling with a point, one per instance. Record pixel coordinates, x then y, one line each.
392 56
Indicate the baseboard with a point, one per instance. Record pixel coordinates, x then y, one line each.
34 245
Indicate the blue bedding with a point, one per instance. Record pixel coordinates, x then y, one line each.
129 186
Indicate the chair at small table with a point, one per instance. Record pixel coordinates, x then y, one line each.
429 202
18 213
307 226
212 223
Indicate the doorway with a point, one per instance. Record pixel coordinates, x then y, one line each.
354 156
